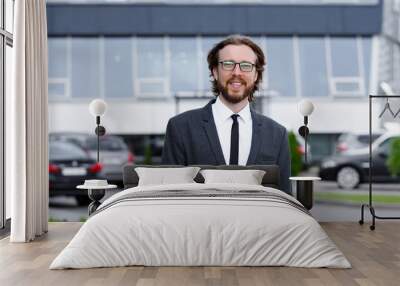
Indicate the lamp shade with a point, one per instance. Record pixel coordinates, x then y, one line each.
97 107
306 107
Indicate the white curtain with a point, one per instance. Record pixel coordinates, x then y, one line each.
27 132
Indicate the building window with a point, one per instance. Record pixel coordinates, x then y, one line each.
280 67
58 67
151 67
346 66
6 61
58 88
367 55
118 76
313 72
57 57
396 6
85 68
184 65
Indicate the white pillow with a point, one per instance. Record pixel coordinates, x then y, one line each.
248 177
166 176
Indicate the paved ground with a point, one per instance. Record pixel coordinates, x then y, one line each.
392 189
67 209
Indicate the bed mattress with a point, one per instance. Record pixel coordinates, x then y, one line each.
201 225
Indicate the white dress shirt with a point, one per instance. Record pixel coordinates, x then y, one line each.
223 122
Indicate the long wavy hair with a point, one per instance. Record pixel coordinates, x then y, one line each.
213 59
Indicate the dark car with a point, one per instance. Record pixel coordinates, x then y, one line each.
70 166
352 168
114 152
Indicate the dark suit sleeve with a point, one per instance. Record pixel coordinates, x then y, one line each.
285 164
173 151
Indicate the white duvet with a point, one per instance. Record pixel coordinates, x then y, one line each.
182 231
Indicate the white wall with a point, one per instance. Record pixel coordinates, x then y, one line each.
152 117
328 116
122 118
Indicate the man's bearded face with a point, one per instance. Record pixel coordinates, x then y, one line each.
236 85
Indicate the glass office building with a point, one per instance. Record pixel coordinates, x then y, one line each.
140 56
144 68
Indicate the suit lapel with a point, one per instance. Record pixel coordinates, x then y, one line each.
256 138
212 134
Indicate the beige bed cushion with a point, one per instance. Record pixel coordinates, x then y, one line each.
248 177
162 176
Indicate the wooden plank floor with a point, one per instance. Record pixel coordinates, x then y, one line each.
374 255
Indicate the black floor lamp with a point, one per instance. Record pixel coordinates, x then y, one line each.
304 185
97 108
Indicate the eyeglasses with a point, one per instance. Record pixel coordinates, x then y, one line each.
231 65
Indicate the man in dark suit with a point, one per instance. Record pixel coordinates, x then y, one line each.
227 130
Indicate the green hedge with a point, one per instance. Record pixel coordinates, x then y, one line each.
297 164
393 161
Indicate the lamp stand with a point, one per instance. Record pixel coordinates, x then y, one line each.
100 131
304 131
98 138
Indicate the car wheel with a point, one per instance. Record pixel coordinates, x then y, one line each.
83 200
348 178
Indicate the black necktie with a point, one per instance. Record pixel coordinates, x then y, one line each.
233 160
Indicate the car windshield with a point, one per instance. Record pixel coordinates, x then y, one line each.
365 138
385 146
65 151
106 144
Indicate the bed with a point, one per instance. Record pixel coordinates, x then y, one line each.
201 224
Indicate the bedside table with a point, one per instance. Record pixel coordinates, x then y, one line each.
304 190
95 193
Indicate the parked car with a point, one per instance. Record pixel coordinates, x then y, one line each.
352 168
350 141
149 149
114 152
70 166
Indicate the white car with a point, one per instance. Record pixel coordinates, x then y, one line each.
352 168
